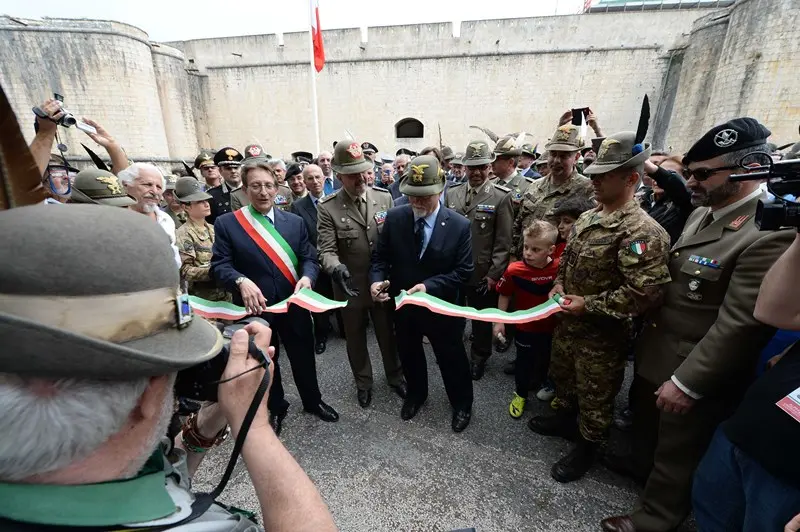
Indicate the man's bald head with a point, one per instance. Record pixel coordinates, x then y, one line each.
314 179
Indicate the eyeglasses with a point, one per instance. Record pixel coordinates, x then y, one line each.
257 187
702 174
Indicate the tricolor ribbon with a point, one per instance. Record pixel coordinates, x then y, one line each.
313 302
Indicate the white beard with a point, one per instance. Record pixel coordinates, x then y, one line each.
149 207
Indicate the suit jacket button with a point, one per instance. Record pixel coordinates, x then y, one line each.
367 228
697 272
677 254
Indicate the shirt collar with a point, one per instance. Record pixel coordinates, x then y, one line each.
719 213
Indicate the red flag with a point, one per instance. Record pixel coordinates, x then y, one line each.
587 5
316 37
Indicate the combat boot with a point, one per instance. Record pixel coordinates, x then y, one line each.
577 463
563 424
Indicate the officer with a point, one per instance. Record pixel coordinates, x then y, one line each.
195 239
541 166
173 207
526 161
561 183
489 210
349 222
505 170
457 173
229 162
696 357
99 187
208 168
613 268
283 199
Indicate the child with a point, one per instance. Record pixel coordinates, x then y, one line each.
565 213
529 281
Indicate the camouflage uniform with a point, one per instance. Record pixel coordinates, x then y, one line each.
194 243
618 263
516 183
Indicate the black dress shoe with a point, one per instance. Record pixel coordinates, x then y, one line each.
618 523
276 421
319 347
577 463
477 370
400 389
501 347
564 425
461 420
324 412
510 368
409 410
364 398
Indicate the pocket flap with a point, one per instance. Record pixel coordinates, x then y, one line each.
703 272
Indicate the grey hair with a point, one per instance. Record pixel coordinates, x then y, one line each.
132 172
65 422
731 158
277 162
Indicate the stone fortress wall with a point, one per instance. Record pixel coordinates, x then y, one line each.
164 101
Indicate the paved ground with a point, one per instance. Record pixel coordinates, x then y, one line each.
379 473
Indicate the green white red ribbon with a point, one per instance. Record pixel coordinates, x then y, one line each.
222 310
493 315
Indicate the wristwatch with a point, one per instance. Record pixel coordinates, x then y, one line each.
240 280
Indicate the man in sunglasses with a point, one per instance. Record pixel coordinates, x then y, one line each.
697 355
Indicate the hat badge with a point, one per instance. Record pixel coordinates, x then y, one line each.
726 137
231 154
418 173
112 183
607 143
254 151
354 150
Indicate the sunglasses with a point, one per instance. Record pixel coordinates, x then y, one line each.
702 174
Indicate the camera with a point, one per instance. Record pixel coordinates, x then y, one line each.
200 382
68 119
783 182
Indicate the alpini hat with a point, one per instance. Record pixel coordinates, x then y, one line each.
423 177
189 189
99 187
477 153
348 158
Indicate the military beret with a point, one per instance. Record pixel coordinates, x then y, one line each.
733 135
228 157
293 170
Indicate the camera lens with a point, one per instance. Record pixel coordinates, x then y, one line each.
68 120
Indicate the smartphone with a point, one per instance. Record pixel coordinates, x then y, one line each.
578 113
83 126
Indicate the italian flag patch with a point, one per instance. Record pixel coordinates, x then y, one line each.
638 246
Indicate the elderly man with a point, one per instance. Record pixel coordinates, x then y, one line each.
331 183
279 169
262 255
86 398
425 247
144 182
350 222
527 157
295 182
399 166
229 162
457 173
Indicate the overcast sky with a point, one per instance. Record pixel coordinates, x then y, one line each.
172 20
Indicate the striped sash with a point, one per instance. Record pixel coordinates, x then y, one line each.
267 238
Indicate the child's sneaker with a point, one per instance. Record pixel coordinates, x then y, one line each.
546 393
517 406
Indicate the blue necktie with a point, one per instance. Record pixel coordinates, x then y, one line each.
419 234
328 186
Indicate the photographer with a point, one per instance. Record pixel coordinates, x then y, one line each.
750 477
86 393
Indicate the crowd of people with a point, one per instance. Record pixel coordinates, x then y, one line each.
651 255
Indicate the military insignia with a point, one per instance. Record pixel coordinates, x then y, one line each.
280 199
354 150
704 261
607 143
476 146
694 296
112 183
726 137
561 135
231 154
638 246
517 197
694 284
254 151
738 222
380 217
486 208
418 173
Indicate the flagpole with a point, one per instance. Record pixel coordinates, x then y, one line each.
312 72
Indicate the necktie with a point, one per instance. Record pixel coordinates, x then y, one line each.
362 208
470 193
270 220
419 235
709 217
328 186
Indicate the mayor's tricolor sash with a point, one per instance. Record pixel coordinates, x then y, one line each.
260 229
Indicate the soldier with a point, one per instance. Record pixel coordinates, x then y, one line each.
526 161
283 199
488 208
349 222
457 172
614 268
208 168
562 182
195 239
229 162
173 207
541 165
506 173
99 187
697 356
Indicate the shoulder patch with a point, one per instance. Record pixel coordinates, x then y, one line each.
501 187
454 185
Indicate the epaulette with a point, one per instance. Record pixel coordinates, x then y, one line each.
501 187
329 197
529 179
380 189
454 185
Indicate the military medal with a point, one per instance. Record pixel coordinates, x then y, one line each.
711 263
380 217
694 284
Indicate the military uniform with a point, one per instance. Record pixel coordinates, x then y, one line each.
220 201
516 183
348 237
489 210
179 218
542 195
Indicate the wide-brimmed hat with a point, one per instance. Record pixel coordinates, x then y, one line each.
529 149
103 313
478 153
189 189
619 150
566 138
507 147
348 158
169 181
541 160
447 153
423 177
205 158
99 187
58 160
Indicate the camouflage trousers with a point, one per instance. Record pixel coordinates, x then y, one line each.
587 368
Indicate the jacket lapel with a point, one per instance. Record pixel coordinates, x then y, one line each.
372 205
713 232
439 230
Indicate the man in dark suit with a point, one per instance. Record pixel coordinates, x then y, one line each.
306 208
439 266
262 255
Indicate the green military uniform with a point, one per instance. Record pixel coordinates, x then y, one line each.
99 187
516 183
488 207
348 230
542 195
179 218
194 241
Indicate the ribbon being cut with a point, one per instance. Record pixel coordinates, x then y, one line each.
313 302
